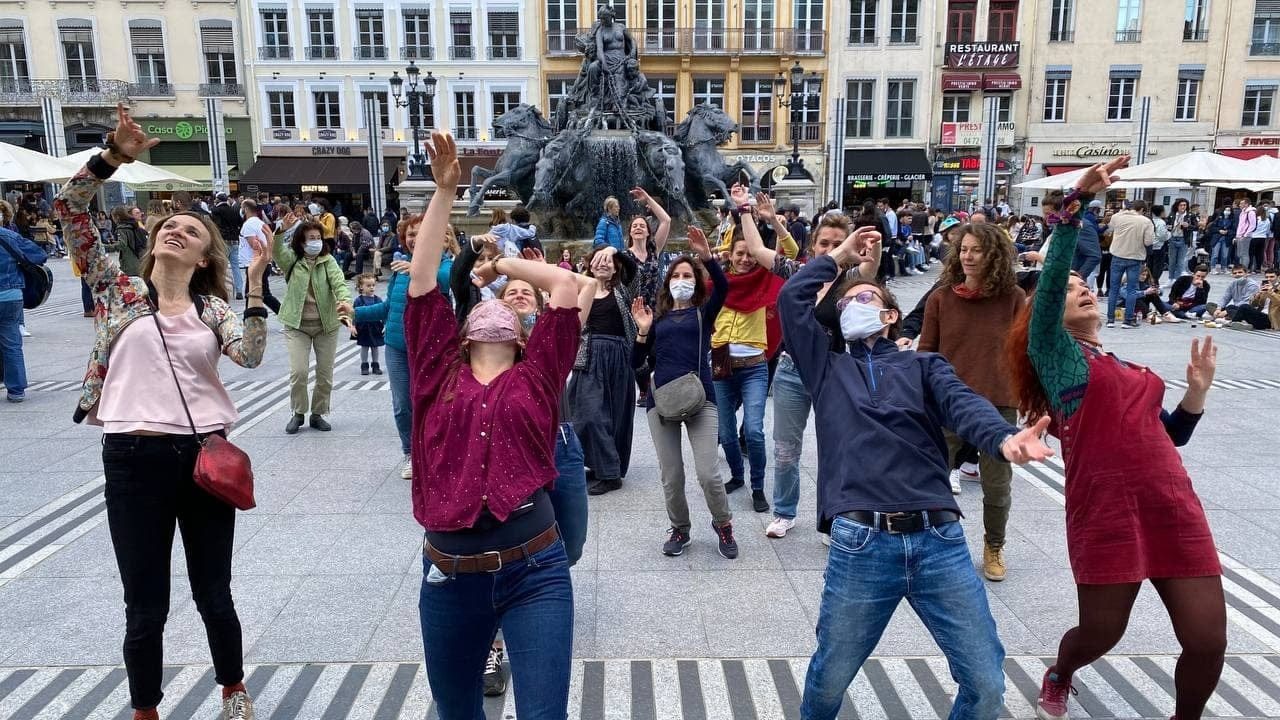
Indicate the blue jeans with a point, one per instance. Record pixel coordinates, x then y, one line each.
11 358
237 273
1085 264
869 572
398 376
570 494
1129 269
1177 258
790 415
1220 254
532 602
748 387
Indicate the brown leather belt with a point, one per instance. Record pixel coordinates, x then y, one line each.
492 561
745 362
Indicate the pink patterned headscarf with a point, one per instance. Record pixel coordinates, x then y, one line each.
493 321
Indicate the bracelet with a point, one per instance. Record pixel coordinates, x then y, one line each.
493 265
110 144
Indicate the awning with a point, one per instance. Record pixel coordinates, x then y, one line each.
318 174
961 82
1001 81
1247 153
202 174
1060 169
886 165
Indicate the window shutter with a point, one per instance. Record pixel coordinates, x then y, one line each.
146 35
1126 71
363 12
216 36
1267 9
1195 72
1057 72
504 23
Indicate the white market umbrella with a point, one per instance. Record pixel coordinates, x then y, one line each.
137 172
18 164
1269 166
1067 180
1199 167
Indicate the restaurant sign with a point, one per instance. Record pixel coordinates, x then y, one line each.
970 134
983 55
1260 141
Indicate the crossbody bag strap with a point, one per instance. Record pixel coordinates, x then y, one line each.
17 256
156 317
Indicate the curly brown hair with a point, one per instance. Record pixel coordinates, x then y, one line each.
998 253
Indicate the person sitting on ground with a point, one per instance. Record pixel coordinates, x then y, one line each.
1263 310
1149 304
1238 293
1190 294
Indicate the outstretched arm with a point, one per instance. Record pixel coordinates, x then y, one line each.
430 243
664 220
561 283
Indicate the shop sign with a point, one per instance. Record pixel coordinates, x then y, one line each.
480 151
761 159
966 163
884 177
282 134
963 82
1260 141
327 134
314 189
970 134
331 150
1096 150
983 54
182 129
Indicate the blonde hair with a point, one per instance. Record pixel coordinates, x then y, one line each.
208 280
451 240
611 205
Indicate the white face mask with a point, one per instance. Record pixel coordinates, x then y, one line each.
313 247
859 321
681 290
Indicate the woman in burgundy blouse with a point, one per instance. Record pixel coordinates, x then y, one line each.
485 414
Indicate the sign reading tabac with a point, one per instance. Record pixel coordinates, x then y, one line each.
982 55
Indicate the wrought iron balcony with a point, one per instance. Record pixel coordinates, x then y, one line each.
661 41
863 37
466 133
756 40
1064 36
275 52
16 91
221 90
503 52
1128 36
462 52
806 42
1199 35
564 42
417 52
150 89
806 133
322 52
1264 49
370 52
899 37
75 91
708 39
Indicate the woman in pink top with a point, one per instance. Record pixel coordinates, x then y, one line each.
485 416
148 450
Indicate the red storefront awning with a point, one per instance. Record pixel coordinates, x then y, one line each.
1002 81
1248 153
1060 169
961 82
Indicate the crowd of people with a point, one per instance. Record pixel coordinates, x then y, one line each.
515 381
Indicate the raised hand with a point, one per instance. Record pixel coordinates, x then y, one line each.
765 209
739 195
641 196
853 249
1203 365
261 256
1099 177
534 254
698 242
484 274
642 315
443 152
1027 446
128 137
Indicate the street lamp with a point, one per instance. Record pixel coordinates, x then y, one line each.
793 93
420 99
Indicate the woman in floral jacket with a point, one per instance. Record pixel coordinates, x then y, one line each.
152 377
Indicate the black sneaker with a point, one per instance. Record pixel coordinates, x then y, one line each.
733 485
1129 325
600 487
364 368
295 423
495 676
728 546
676 544
320 423
377 369
758 503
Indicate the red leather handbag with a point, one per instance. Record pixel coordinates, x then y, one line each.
222 469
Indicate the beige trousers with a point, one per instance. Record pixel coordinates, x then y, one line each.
310 335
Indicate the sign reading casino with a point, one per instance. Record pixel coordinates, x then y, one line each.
982 55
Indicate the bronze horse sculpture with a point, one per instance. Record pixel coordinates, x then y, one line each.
526 133
705 128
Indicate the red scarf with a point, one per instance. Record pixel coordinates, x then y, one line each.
963 291
753 291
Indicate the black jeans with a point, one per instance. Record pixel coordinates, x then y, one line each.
149 490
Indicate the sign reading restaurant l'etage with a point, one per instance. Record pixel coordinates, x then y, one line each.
983 54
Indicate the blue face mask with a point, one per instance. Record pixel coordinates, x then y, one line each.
528 321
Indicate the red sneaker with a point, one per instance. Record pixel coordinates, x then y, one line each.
1052 704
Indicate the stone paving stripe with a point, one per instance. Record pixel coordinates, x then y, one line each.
739 691
1274 660
932 688
56 533
195 696
1255 615
1255 676
592 689
296 695
94 697
66 508
1089 701
1126 689
1028 687
393 700
788 693
1237 700
166 676
259 678
692 706
848 710
883 687
47 694
340 706
1049 480
13 680
1252 587
642 700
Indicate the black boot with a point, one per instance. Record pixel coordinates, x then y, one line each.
295 422
320 423
364 368
377 370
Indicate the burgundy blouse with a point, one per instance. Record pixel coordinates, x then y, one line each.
479 446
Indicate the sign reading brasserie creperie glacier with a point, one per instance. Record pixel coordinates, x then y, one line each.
983 55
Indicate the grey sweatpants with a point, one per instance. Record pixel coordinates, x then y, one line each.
703 429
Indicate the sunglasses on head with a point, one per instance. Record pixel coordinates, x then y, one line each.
863 298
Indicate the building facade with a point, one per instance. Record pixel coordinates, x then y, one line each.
312 64
64 66
881 69
729 54
1248 119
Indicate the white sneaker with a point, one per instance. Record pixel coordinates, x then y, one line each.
22 330
406 471
779 527
237 707
825 538
955 482
969 471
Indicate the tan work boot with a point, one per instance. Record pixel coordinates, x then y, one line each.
993 563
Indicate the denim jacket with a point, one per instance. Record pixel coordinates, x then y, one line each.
120 299
10 277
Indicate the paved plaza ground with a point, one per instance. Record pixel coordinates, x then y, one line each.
328 567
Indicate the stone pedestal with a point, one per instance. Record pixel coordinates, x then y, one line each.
415 194
789 192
